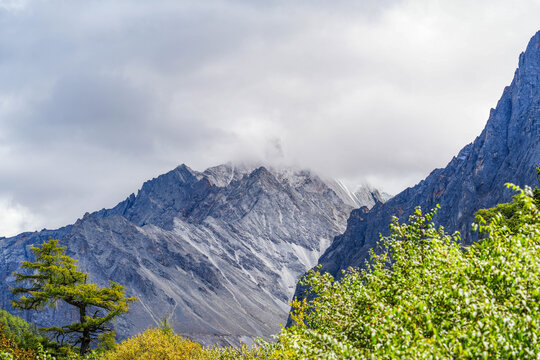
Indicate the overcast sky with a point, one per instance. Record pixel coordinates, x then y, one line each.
98 96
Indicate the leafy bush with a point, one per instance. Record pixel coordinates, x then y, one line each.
508 214
5 356
243 352
20 340
156 344
24 333
9 349
422 296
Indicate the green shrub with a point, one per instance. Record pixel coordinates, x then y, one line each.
156 344
9 349
21 340
422 296
24 333
508 214
5 355
243 352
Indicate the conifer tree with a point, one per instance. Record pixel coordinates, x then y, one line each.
54 276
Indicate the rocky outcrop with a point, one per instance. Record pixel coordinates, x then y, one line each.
507 150
218 253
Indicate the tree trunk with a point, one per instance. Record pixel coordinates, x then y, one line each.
85 343
85 339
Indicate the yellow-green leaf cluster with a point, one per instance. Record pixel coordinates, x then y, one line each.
156 344
242 352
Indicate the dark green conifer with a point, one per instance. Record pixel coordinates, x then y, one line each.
53 277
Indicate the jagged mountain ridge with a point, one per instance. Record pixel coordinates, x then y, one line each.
364 195
218 252
367 195
506 151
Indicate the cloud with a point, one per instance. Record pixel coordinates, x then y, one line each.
97 97
15 218
12 5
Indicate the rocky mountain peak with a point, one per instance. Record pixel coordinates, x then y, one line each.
528 68
222 175
507 150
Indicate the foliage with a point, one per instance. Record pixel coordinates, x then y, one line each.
9 349
65 353
54 276
165 325
5 355
156 344
509 211
243 352
24 333
422 296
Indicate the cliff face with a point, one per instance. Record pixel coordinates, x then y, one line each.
218 252
507 150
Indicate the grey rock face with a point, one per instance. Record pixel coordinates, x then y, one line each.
218 252
507 150
364 195
368 196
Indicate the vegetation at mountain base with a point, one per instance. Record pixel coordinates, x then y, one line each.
157 344
25 334
509 211
153 344
423 296
20 339
53 277
10 348
242 352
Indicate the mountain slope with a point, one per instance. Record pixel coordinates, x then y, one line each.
364 195
218 252
507 150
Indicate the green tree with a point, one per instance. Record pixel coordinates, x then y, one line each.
508 214
54 276
423 296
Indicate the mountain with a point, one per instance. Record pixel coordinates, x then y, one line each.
368 196
217 252
507 150
364 195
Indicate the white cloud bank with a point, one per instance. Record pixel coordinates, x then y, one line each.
15 218
96 97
